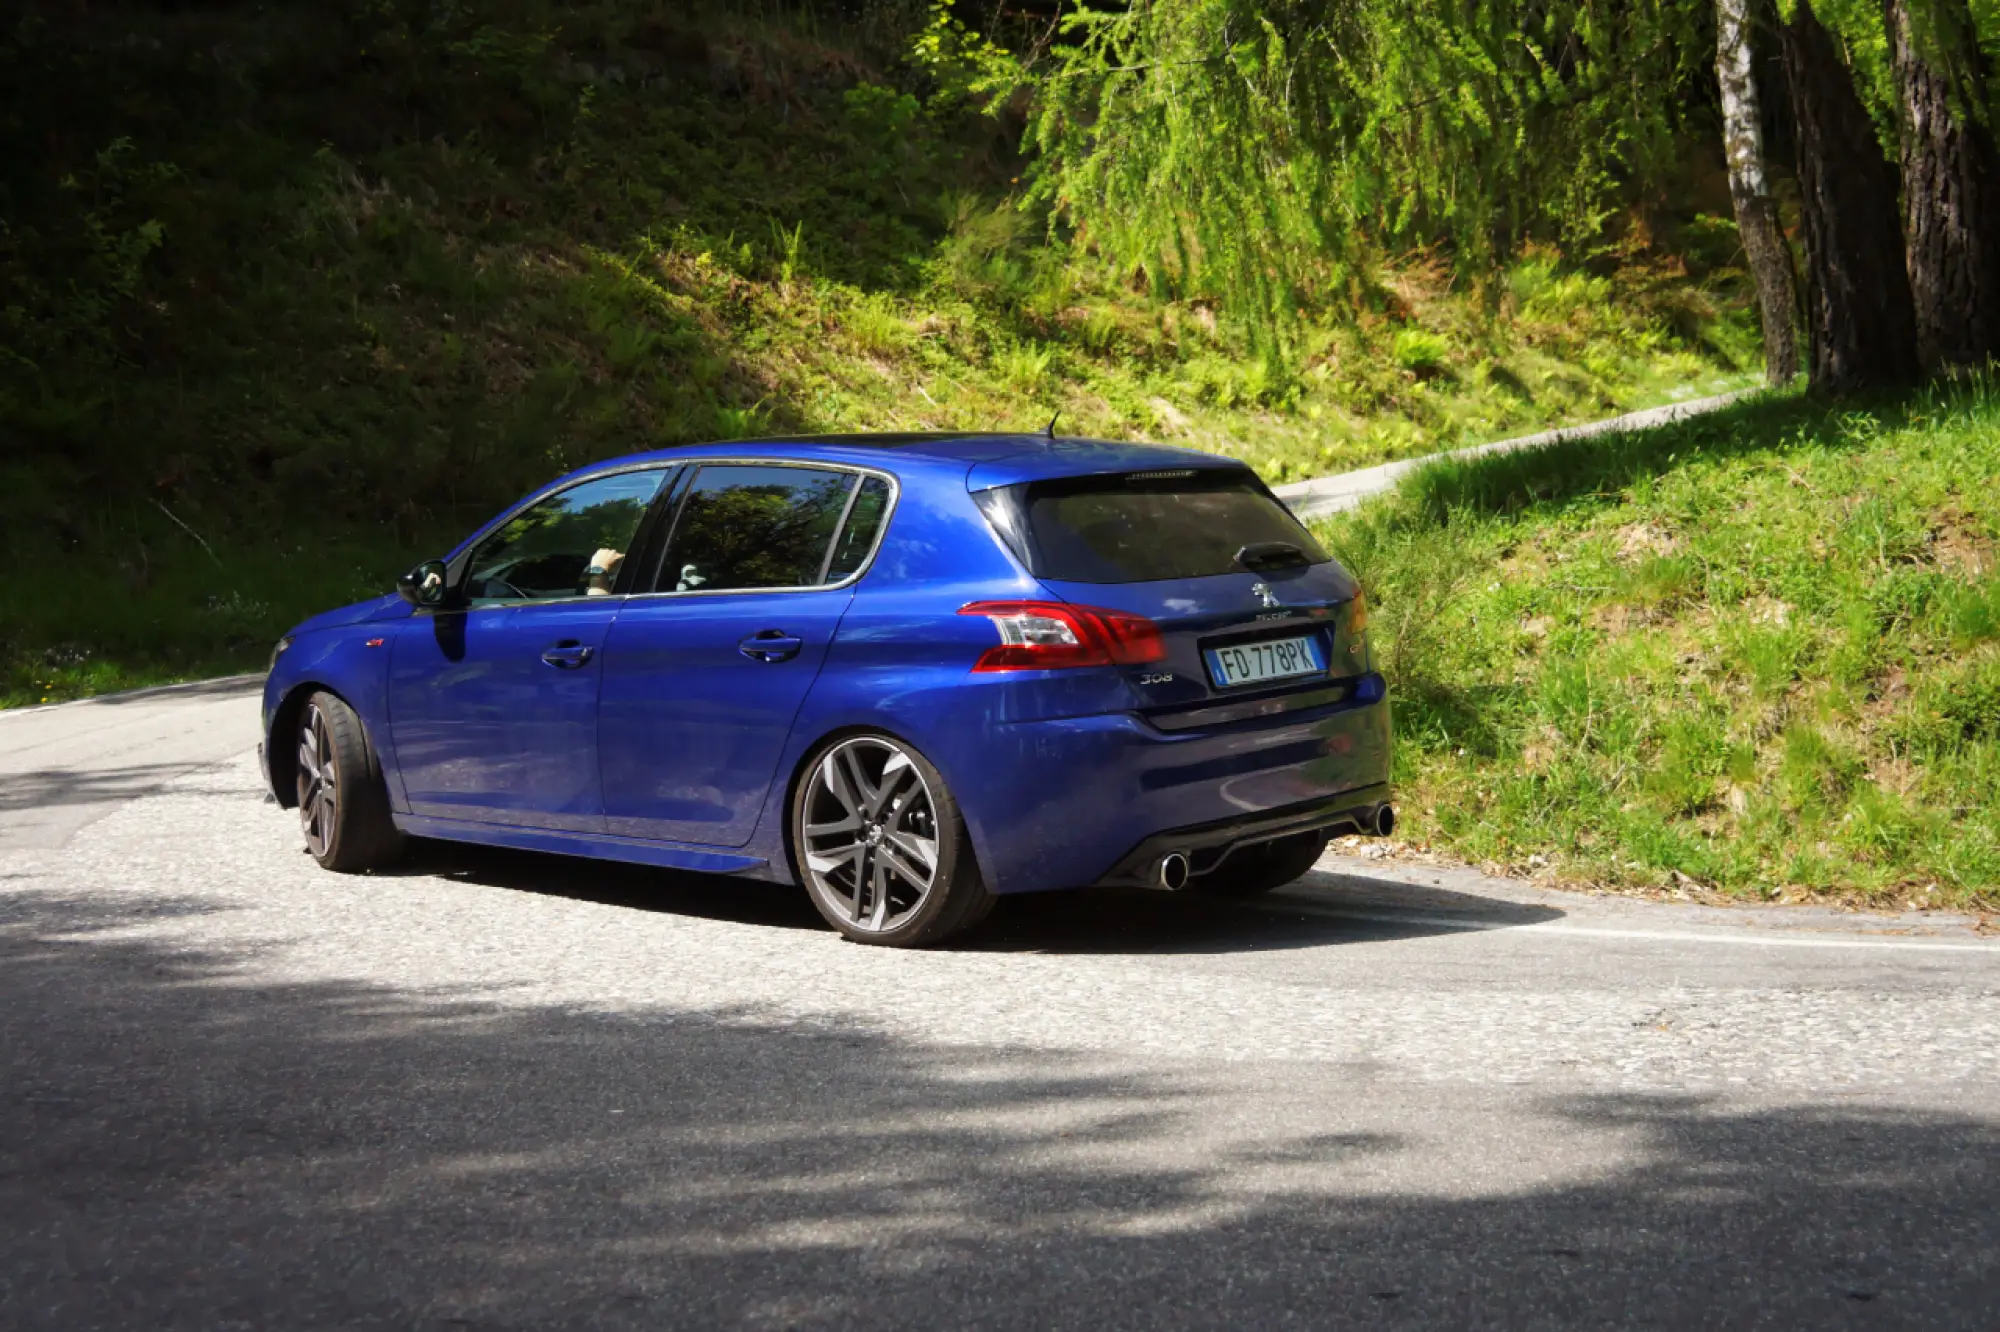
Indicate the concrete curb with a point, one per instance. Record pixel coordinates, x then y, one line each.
218 685
1335 494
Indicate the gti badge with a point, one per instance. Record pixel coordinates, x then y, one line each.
1262 591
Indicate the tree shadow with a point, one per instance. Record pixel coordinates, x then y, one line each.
191 1142
48 787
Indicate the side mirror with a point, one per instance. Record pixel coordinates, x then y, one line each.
425 585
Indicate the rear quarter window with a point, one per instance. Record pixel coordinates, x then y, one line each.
1145 527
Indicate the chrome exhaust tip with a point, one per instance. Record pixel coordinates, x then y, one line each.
1384 822
1172 872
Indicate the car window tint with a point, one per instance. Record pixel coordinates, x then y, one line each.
547 550
864 523
1151 526
748 527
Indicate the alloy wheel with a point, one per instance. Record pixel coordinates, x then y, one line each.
870 833
319 790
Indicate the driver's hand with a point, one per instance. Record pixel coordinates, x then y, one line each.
607 560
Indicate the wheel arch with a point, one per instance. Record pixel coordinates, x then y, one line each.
283 757
811 752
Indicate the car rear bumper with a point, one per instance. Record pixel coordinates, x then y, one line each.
1208 845
1072 802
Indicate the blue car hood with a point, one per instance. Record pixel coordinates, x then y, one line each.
389 607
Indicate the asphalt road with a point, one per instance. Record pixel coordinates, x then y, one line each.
506 1091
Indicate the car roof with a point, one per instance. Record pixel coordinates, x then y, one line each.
992 459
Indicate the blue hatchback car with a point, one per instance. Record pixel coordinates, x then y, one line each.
908 672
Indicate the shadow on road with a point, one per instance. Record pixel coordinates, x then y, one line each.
1093 921
84 786
187 1143
1306 915
610 883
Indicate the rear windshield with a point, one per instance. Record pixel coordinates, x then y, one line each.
1143 526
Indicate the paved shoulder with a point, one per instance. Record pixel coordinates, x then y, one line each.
64 767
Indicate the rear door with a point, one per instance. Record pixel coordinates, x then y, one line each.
704 675
1251 607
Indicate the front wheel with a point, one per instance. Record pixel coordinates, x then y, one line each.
1265 866
343 802
882 848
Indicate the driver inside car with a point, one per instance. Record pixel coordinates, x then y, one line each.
603 572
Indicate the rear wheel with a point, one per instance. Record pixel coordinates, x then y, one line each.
1268 865
882 848
343 803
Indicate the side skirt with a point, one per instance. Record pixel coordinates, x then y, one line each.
596 846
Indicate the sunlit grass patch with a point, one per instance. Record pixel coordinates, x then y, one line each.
1755 654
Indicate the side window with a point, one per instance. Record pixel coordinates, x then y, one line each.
864 524
568 545
745 526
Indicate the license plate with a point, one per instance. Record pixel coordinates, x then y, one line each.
1273 659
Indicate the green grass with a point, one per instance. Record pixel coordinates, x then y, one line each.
1756 655
327 285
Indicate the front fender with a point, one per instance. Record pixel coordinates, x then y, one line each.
351 661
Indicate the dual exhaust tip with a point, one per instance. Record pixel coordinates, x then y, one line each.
1172 870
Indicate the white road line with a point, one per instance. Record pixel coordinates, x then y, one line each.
1464 925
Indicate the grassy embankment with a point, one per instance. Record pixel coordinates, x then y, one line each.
296 294
1754 655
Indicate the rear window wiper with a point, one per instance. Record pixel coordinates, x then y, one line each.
1262 556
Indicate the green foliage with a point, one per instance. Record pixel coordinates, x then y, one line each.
1259 151
1420 352
966 67
1755 652
346 278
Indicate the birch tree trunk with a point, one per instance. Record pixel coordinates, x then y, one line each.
1750 191
1951 181
1860 320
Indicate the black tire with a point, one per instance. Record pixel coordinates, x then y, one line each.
343 801
868 812
1261 868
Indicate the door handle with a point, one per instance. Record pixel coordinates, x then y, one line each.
568 655
771 645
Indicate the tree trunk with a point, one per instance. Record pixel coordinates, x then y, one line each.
1749 189
1859 318
1951 182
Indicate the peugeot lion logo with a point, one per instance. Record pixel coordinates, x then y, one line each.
1262 591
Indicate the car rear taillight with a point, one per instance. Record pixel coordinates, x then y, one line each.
1048 635
1357 612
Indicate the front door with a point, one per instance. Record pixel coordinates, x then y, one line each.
703 678
493 706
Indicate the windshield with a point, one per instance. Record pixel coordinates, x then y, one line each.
1144 527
